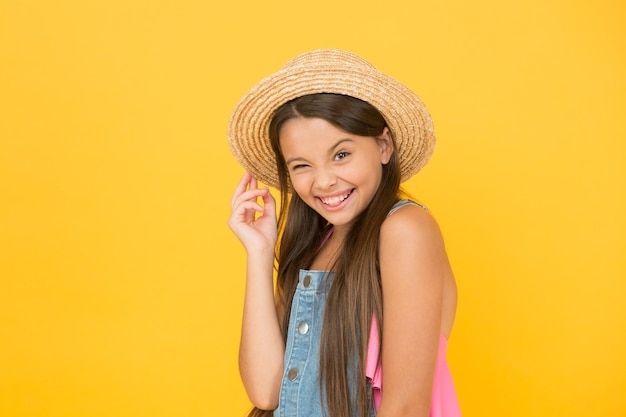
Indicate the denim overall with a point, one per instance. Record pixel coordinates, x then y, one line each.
300 390
300 394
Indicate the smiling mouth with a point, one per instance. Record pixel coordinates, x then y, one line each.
333 201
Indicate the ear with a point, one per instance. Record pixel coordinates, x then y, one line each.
385 144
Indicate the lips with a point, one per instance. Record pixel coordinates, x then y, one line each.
336 199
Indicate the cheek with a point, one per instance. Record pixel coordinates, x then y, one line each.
300 184
363 172
371 177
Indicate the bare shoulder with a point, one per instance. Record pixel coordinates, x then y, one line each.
410 224
412 248
414 264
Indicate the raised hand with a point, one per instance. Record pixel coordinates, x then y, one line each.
261 350
256 232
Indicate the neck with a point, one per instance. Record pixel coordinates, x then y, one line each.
340 232
329 250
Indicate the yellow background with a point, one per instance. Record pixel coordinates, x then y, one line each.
121 286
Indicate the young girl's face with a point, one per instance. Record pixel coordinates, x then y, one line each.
336 173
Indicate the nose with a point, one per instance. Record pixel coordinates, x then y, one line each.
325 178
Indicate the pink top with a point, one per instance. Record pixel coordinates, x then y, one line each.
444 402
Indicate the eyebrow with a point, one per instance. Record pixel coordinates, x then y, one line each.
330 150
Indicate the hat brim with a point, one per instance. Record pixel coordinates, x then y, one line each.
406 116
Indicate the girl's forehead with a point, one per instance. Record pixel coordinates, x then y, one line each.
302 126
303 137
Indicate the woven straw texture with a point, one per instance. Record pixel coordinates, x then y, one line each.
329 71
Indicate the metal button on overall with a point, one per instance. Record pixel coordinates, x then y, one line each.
306 283
292 374
303 327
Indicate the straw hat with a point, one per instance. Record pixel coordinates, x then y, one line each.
329 71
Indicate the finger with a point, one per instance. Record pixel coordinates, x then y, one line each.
254 185
241 187
245 216
269 203
247 210
250 195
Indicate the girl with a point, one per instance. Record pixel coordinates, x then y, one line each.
364 289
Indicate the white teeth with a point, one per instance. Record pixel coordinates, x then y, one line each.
331 201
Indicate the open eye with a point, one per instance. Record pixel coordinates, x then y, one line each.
341 155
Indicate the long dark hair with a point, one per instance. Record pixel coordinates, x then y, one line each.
355 294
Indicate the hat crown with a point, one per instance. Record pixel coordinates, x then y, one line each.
328 58
335 72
